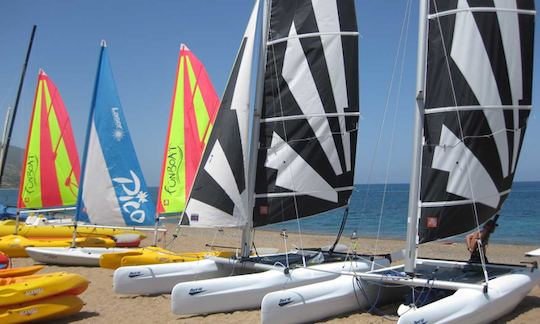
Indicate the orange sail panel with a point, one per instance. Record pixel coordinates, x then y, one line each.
50 174
194 107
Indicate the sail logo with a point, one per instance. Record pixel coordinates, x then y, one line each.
32 165
133 197
118 132
174 161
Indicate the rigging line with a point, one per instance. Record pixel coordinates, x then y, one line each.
381 128
403 47
287 140
469 181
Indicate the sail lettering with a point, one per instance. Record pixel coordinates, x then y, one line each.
118 132
116 118
31 166
174 160
133 197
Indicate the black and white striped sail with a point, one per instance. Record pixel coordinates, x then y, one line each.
477 101
219 194
310 110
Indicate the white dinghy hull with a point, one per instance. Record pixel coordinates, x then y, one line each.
474 306
87 256
247 291
161 278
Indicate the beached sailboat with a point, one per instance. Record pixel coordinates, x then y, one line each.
301 160
193 110
474 85
49 178
113 190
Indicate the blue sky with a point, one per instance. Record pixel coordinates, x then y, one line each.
144 37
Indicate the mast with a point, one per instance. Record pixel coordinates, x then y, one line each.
416 168
4 151
247 237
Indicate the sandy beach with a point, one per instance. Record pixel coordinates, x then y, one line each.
102 305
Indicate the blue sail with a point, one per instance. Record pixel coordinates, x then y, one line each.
113 189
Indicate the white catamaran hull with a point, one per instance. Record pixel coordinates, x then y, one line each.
474 306
87 256
318 301
247 291
161 278
347 294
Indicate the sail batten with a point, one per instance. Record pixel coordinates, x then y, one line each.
478 99
308 35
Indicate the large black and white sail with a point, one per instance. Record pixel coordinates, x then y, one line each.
309 121
219 194
477 102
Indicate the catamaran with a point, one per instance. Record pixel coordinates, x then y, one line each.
297 161
113 191
473 99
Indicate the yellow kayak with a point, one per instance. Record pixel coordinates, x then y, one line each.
15 245
7 227
152 255
21 271
44 309
25 289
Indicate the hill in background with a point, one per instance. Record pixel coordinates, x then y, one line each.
12 172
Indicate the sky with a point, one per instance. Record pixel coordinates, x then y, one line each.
144 38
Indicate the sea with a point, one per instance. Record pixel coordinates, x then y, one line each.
380 211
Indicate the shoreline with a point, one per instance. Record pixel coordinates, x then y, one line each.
454 239
102 305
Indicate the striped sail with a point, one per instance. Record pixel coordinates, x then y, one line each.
310 110
219 194
194 107
50 172
113 189
477 102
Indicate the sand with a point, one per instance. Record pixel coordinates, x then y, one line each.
102 305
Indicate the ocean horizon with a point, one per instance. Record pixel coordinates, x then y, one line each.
370 217
518 222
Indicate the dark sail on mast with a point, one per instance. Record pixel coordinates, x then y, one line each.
477 102
310 110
